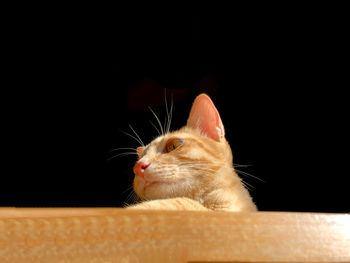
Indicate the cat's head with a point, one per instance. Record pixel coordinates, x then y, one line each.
185 162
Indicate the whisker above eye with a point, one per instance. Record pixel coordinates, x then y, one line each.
169 113
166 122
126 133
159 123
156 128
137 136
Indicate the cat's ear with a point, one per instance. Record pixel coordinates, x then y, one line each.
205 116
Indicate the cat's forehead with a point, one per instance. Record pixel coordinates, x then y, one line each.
164 138
161 139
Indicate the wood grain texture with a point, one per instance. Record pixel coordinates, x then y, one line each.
119 235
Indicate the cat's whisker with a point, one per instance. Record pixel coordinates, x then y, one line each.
132 198
126 133
166 122
137 136
135 198
155 115
127 199
127 189
125 148
245 173
249 175
169 113
156 128
242 165
198 165
121 155
164 127
247 185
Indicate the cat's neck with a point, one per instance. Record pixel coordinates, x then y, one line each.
230 196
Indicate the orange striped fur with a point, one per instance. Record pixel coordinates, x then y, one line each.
198 174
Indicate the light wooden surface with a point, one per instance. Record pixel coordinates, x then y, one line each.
118 235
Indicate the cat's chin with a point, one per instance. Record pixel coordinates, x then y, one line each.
154 189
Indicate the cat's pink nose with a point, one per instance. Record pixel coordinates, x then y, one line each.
140 167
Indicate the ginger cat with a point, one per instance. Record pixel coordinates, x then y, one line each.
191 168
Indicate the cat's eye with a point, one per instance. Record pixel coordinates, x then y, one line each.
173 144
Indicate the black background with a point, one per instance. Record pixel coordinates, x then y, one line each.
276 77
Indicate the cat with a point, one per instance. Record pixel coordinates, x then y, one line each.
191 168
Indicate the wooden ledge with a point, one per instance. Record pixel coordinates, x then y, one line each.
119 235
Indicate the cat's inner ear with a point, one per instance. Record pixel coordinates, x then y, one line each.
139 150
205 117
